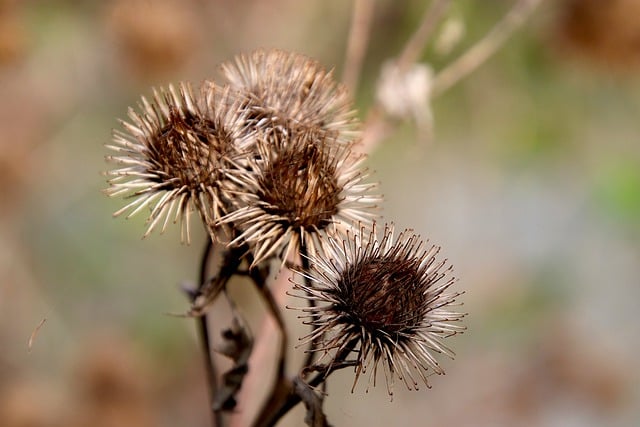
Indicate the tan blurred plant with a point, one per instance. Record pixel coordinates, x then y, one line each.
13 37
155 38
606 33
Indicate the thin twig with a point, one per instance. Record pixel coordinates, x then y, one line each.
418 41
280 385
357 44
203 333
483 49
313 345
282 399
211 286
304 258
376 125
288 398
283 390
259 279
33 335
313 402
260 355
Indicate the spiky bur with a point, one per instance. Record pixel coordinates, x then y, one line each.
294 188
387 299
173 155
288 90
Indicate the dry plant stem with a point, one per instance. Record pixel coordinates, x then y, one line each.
259 356
483 49
357 44
418 41
232 259
282 399
283 387
203 333
280 387
287 397
376 126
308 360
313 401
304 257
259 279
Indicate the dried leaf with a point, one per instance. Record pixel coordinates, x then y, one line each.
238 344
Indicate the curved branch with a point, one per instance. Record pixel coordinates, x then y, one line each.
483 49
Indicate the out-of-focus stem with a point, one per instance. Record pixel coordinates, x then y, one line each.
418 41
484 48
286 396
357 43
376 126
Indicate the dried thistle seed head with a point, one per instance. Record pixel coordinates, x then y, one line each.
173 155
386 299
296 185
292 90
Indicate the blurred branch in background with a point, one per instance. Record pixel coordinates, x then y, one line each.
484 48
411 85
416 45
357 42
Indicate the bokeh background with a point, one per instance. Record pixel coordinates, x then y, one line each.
531 183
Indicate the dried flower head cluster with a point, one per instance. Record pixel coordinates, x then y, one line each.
268 154
269 157
386 299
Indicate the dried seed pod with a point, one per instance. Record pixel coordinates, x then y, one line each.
174 154
292 90
294 188
387 299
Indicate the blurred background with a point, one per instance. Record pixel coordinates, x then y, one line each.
531 183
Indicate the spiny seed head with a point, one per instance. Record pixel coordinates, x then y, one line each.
297 184
300 185
173 155
292 90
386 299
370 290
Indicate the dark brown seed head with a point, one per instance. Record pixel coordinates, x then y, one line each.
297 183
186 152
292 90
386 299
383 295
174 154
300 185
